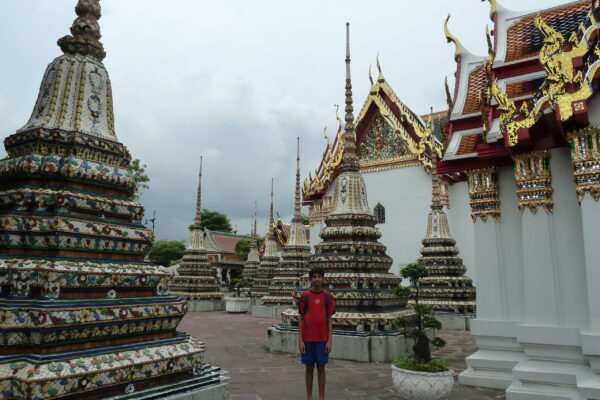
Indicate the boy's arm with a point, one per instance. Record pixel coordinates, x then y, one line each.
300 341
330 327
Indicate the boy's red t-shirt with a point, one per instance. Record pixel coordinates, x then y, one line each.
315 324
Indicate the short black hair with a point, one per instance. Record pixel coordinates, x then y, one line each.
316 270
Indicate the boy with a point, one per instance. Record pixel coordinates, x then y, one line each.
316 308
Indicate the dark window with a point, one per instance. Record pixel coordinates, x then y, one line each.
379 212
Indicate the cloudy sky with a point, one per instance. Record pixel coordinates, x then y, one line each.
237 81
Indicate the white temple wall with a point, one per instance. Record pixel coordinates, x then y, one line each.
462 227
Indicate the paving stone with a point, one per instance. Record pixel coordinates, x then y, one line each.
236 343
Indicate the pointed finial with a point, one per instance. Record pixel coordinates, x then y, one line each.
326 137
198 217
380 77
271 220
451 38
349 157
85 32
297 205
493 8
370 76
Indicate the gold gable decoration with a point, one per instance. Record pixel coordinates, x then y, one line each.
557 56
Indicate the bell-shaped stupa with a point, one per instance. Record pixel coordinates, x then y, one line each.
196 280
269 259
83 315
356 265
294 258
446 289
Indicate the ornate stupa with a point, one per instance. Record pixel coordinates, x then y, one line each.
196 280
269 259
294 259
446 289
83 315
355 263
253 259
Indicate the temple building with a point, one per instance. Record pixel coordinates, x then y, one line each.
196 279
268 261
524 134
446 289
355 263
83 316
294 259
220 251
393 148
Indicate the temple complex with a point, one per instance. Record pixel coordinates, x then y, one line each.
269 260
220 251
83 316
196 279
446 289
355 263
294 259
523 135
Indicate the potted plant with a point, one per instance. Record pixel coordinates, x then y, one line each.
418 376
237 301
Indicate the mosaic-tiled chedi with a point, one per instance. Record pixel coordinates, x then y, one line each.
446 289
81 314
294 259
269 261
355 263
253 259
196 279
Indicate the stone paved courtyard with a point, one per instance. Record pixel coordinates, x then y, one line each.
236 343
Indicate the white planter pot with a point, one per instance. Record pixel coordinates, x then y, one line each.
416 385
237 304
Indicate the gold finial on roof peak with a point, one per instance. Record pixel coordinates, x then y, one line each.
85 31
451 38
371 77
380 77
493 8
327 137
449 100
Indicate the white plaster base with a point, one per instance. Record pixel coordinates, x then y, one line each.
374 348
206 305
273 312
220 391
455 322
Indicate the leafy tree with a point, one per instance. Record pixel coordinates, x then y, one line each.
242 248
164 252
139 176
215 221
424 318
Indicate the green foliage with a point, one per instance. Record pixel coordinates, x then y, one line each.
139 176
164 252
416 327
305 220
242 248
239 282
403 291
411 363
215 221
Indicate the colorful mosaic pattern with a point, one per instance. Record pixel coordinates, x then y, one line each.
484 194
534 181
585 154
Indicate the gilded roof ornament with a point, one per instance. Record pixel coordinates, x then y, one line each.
493 8
451 38
326 137
449 100
371 78
380 77
85 32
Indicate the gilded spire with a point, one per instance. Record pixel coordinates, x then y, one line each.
297 209
198 216
85 32
349 158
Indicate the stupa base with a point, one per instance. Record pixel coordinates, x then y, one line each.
455 321
352 346
212 384
206 305
268 311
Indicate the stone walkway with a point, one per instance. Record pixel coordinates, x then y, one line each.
236 343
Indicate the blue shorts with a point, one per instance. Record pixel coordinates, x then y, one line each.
315 353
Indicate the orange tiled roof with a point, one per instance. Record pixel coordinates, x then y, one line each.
476 83
526 88
523 38
436 115
468 144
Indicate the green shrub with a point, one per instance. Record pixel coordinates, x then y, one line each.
411 363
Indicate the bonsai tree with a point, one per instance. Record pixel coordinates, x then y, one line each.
416 327
236 284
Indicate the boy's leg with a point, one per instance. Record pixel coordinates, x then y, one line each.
310 369
321 378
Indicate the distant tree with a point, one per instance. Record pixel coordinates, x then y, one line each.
139 176
215 221
164 252
242 248
305 220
